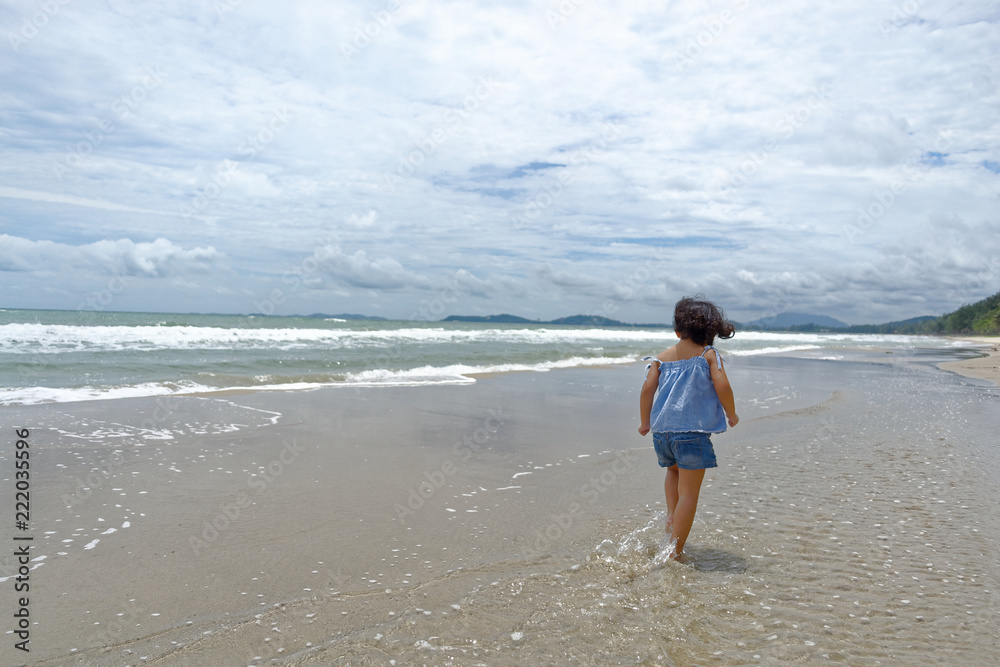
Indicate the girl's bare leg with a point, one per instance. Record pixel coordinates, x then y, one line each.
670 491
688 488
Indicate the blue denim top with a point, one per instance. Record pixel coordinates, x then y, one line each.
686 398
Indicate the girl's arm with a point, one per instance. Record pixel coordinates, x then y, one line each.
646 396
723 389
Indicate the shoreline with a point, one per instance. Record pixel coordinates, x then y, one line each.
986 367
66 389
509 521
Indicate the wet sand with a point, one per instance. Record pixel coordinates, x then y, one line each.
517 521
986 367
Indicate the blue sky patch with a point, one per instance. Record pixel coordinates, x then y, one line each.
526 169
362 157
934 159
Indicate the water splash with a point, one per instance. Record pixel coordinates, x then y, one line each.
641 550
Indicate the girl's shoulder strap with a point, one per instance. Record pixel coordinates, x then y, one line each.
650 364
718 355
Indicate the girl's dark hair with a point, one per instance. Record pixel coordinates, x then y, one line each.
701 321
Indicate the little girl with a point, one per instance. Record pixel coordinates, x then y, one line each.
694 400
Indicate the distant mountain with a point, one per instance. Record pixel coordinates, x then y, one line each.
790 320
982 317
912 325
914 320
572 320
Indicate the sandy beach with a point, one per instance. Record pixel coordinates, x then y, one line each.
515 521
985 367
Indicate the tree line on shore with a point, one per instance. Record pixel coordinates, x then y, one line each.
981 317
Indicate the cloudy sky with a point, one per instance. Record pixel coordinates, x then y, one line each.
415 158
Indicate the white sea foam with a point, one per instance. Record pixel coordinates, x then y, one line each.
424 375
30 338
462 373
35 395
377 355
55 338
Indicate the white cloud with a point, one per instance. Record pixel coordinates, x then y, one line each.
366 220
868 136
54 198
357 270
158 259
698 93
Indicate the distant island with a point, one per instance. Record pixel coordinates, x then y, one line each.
788 320
572 320
982 317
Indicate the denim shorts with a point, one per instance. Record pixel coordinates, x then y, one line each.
688 450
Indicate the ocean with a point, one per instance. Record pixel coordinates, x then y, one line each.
49 356
408 509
